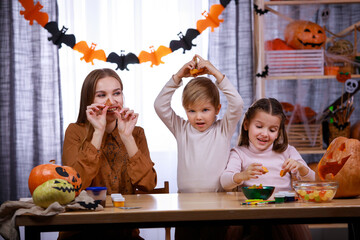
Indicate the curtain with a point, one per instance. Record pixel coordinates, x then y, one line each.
230 48
30 104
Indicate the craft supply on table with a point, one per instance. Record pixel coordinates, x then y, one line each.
97 193
257 202
279 197
118 200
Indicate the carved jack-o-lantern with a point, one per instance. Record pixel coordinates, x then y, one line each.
45 172
53 190
301 34
341 163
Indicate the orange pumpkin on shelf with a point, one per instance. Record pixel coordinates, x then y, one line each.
341 163
277 44
301 34
45 172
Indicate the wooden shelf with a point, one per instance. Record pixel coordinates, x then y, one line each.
272 3
307 77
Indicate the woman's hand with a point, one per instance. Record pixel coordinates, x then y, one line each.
293 166
96 115
127 120
251 172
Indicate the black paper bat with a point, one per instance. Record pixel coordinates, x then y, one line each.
259 11
90 205
224 2
264 73
58 36
185 42
123 60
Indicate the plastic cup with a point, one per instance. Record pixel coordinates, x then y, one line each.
98 194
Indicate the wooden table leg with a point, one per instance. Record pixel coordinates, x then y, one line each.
354 230
32 233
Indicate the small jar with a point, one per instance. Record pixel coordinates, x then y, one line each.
290 197
118 200
279 197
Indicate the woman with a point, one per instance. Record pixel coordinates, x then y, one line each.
104 145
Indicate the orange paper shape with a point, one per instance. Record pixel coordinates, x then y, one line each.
282 173
154 56
89 52
211 19
265 169
32 12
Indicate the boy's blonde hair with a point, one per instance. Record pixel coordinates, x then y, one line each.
198 90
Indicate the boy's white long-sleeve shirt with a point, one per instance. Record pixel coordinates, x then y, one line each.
202 156
241 157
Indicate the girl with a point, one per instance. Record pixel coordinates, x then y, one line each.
105 147
263 143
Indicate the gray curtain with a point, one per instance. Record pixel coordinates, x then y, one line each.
230 49
30 100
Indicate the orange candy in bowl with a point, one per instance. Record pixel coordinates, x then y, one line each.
311 191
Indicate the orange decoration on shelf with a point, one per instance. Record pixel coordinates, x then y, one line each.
342 77
211 19
32 12
341 163
154 56
301 34
89 52
277 44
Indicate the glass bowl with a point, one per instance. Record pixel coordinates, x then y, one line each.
258 193
312 191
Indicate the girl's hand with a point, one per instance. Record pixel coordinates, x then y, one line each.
96 115
293 166
251 172
127 120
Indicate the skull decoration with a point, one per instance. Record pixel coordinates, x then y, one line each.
54 190
44 172
341 163
351 85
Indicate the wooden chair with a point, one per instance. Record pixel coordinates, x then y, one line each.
165 189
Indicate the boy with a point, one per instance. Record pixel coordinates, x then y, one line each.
203 142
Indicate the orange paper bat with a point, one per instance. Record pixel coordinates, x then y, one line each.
154 56
211 19
89 52
32 12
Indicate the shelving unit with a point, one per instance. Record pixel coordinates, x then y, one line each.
259 47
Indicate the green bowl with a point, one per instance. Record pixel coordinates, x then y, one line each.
254 193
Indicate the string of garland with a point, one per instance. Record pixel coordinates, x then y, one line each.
58 37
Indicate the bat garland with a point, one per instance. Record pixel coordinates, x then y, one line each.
58 37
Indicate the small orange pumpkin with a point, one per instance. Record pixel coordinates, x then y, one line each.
45 172
277 44
301 34
341 163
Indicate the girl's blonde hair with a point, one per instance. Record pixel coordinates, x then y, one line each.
200 89
274 108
